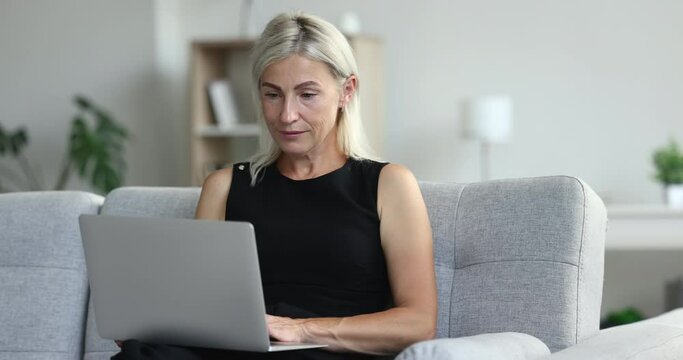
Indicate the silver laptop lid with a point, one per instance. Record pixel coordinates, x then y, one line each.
175 281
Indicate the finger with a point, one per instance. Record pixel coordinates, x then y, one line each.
270 319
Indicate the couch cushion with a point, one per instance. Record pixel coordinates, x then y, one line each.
43 284
518 255
173 202
508 346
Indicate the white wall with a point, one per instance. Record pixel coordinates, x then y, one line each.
597 85
52 50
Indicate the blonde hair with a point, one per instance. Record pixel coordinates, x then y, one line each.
316 39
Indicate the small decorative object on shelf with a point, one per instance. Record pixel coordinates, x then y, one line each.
668 161
349 23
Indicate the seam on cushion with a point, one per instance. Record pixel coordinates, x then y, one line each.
580 262
41 267
79 341
656 346
518 260
455 254
84 324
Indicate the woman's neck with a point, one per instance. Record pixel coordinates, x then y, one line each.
308 167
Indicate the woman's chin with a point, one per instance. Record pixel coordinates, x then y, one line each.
293 149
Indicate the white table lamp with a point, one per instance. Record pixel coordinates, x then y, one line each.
489 121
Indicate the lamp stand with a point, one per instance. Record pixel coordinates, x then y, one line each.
485 160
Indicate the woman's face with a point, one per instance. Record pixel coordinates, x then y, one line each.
300 100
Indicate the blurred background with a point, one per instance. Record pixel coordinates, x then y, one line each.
596 87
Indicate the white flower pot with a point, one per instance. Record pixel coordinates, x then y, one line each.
674 196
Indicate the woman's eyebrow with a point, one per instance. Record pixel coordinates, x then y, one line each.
267 84
304 84
310 83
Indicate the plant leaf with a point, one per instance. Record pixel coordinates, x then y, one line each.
82 102
97 151
3 141
17 141
668 161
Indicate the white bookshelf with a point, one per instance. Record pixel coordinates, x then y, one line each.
644 244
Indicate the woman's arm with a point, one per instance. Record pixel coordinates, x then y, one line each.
214 196
407 244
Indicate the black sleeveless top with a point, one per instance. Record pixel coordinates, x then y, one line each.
318 242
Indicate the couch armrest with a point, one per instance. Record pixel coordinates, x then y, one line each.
508 345
658 338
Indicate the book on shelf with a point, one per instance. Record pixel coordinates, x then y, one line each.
222 103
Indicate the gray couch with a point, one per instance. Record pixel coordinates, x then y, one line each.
519 268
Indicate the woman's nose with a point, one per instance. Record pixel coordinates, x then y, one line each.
289 112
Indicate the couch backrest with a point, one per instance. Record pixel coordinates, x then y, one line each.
138 201
43 283
521 255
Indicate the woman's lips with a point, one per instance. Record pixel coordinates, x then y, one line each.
291 133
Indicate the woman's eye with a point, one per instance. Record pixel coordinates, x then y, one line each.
271 95
308 95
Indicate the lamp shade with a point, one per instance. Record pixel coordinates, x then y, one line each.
490 119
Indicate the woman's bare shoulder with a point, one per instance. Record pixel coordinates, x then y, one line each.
396 188
214 196
218 179
394 176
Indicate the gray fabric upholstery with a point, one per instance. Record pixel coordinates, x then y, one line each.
521 255
138 201
512 256
657 338
172 202
442 202
509 346
43 283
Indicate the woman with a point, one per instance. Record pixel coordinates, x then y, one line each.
344 241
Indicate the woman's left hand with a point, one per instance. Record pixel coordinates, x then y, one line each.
286 329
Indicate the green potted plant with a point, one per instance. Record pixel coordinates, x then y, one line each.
668 161
95 152
621 317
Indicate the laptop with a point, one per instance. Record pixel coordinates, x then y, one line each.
177 281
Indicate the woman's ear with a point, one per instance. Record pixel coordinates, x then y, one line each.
348 89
